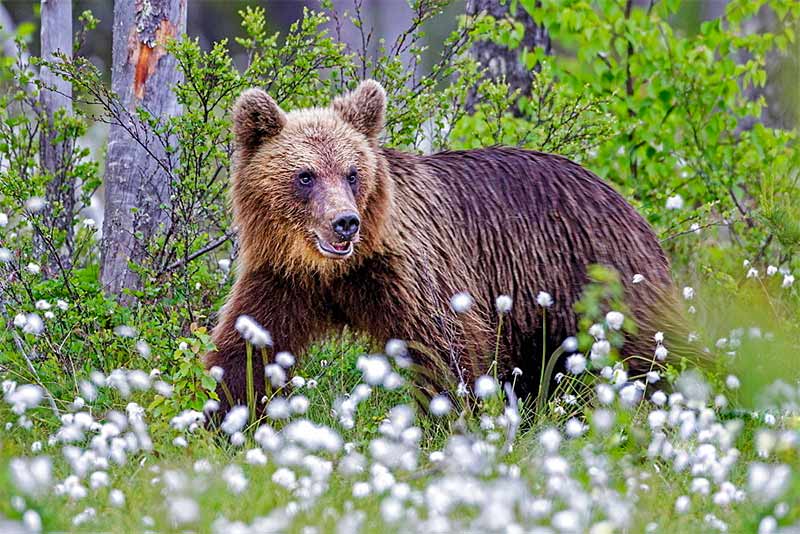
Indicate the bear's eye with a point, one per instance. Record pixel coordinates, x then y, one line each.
305 178
352 176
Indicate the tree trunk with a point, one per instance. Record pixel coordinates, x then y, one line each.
55 156
136 186
502 63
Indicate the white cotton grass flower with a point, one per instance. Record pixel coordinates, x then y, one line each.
485 386
143 348
683 504
255 457
33 268
544 299
576 364
182 510
32 476
298 404
597 331
285 477
125 331
5 255
771 270
614 320
224 265
298 381
35 204
235 419
396 348
574 428
374 369
440 405
752 273
42 305
605 393
234 478
550 440
732 382
688 293
661 353
284 359
32 521
252 332
461 302
570 344
33 324
638 278
788 281
3 220
278 408
217 373
675 202
503 304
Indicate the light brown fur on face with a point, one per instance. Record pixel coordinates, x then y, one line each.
277 224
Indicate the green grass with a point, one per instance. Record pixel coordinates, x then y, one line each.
142 478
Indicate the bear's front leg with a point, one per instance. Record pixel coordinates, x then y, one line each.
279 308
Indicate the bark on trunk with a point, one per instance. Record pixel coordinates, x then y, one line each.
501 62
55 156
136 186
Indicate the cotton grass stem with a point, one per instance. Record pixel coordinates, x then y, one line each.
497 345
251 394
544 353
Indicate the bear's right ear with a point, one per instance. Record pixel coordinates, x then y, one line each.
256 117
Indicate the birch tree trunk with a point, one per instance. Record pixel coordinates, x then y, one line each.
55 156
136 185
501 62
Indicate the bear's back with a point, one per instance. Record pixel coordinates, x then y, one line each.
511 221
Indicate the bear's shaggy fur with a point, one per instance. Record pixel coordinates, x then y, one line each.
490 222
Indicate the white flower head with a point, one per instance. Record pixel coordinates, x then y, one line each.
485 386
440 405
771 270
752 273
461 302
570 344
788 281
732 382
688 293
33 324
614 320
503 304
544 299
576 364
638 278
35 204
252 332
216 373
675 202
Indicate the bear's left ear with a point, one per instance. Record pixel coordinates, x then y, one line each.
364 108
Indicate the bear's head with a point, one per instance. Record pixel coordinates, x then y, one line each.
309 189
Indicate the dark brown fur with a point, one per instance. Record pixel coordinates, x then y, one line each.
491 221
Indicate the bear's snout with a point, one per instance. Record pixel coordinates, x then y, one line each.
346 224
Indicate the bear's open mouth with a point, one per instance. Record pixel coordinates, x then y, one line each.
339 250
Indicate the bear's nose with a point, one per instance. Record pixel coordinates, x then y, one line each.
346 224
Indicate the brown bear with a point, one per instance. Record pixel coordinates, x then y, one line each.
337 230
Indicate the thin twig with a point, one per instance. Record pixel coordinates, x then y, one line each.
194 255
